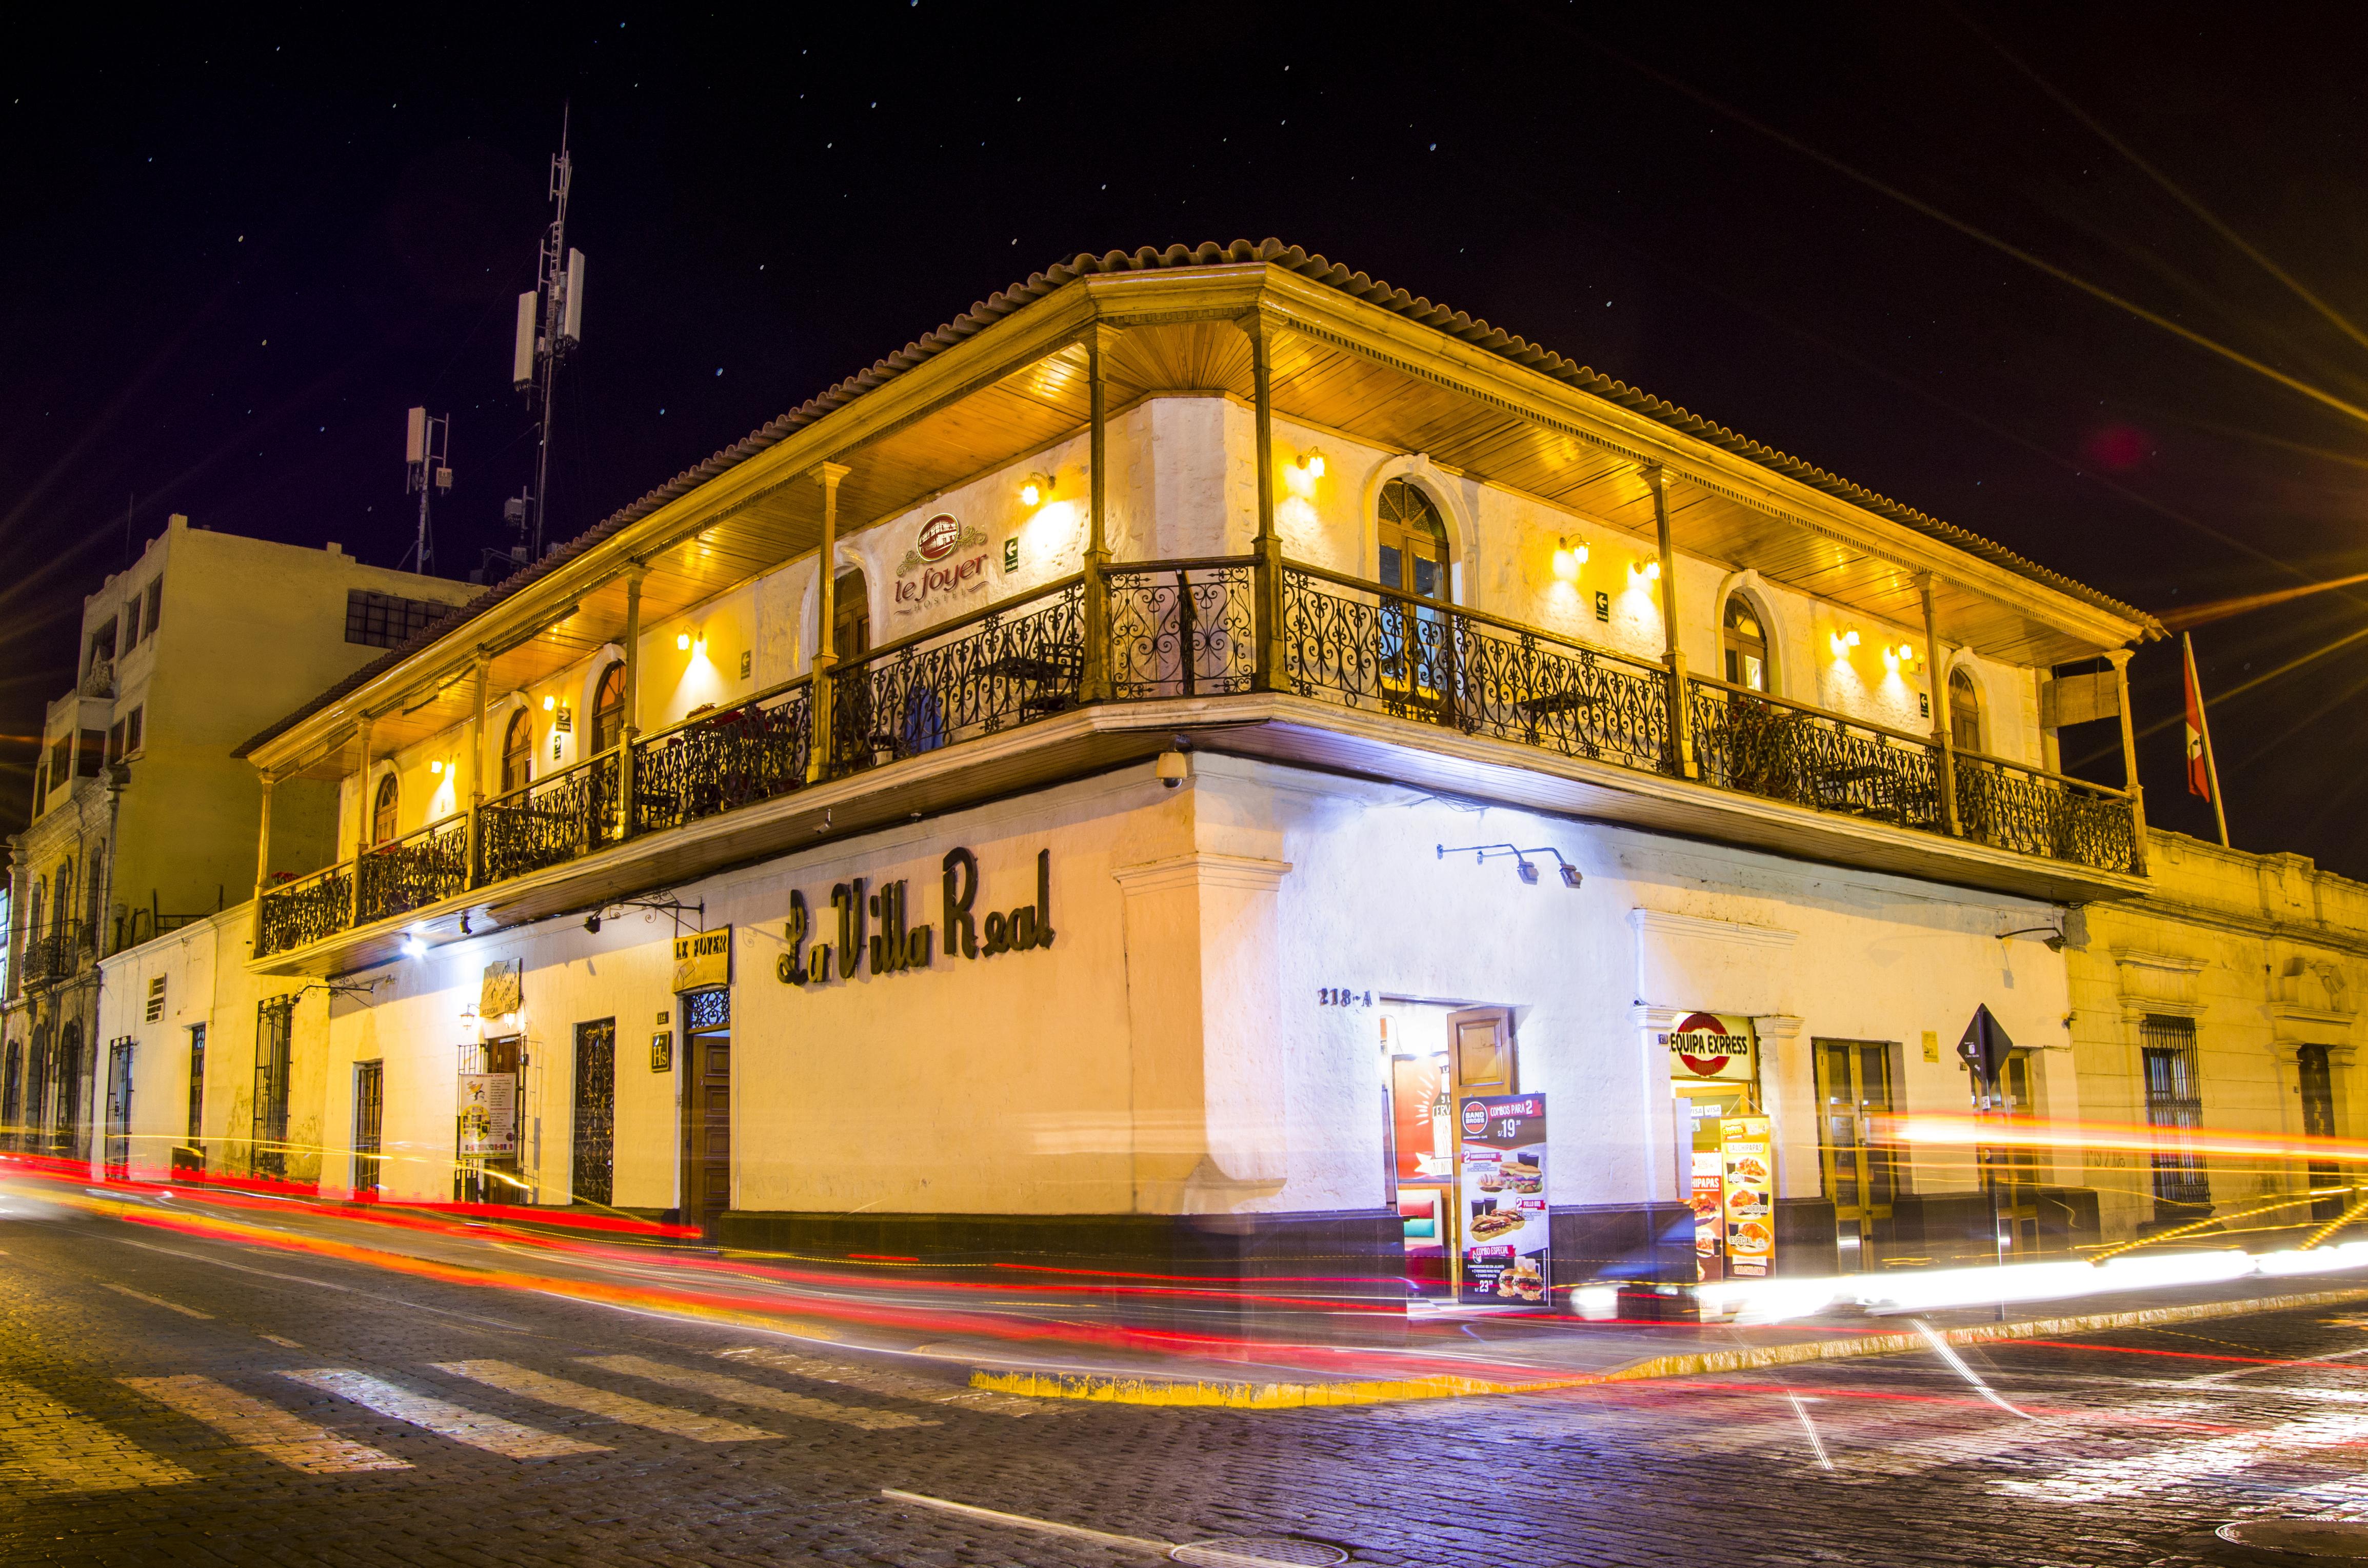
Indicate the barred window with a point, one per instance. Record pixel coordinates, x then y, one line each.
2174 1100
384 620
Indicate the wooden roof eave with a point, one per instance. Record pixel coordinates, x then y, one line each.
996 351
1300 305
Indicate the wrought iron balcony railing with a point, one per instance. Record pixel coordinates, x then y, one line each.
58 952
1218 627
416 870
1361 645
984 673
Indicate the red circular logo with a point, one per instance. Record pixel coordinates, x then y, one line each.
940 537
1476 1117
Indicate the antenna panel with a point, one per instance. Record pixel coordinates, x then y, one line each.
414 436
522 356
571 325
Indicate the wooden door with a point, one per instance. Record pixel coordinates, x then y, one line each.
1483 1052
707 1130
1853 1087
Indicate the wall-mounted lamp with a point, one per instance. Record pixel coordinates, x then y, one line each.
1175 764
435 767
1567 558
2053 939
1842 642
1529 873
1034 488
549 703
682 641
413 948
1311 464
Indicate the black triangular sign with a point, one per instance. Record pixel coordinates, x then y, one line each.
1985 1044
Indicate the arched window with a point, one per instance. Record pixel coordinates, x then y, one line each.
1964 712
518 753
33 912
850 615
62 902
1745 641
382 811
1413 541
609 710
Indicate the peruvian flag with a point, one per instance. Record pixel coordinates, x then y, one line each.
2198 769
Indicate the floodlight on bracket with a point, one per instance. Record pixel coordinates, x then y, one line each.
1529 873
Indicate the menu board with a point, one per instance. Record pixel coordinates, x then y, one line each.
488 1113
1747 1175
1708 1197
1502 1190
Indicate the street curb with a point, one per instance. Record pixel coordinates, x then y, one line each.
1185 1393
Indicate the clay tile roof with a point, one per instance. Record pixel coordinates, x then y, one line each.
1274 253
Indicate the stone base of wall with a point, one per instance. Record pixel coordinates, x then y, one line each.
1332 1275
1654 1242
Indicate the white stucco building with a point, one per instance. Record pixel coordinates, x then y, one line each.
1326 710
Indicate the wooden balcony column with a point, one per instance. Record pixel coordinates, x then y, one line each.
1094 684
632 730
365 808
825 655
2121 661
1271 667
263 840
1681 729
1944 739
478 669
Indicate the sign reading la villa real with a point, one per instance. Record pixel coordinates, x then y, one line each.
878 924
944 570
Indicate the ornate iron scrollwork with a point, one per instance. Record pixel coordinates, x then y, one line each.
550 822
725 760
306 910
415 870
1011 667
1182 631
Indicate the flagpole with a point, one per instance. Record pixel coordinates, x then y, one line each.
2204 728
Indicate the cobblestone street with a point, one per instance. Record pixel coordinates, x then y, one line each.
177 1399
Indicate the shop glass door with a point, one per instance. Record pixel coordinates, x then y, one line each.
1854 1086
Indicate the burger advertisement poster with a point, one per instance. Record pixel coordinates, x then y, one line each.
1502 1185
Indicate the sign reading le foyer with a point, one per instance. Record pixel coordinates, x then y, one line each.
703 959
896 944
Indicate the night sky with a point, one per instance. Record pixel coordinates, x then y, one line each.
235 252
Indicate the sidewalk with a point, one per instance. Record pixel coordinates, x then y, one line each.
1455 1355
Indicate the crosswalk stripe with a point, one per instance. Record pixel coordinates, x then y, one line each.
72 1451
740 1391
266 1429
601 1401
154 1301
884 1379
444 1418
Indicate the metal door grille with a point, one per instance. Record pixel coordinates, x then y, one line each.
69 1139
197 1082
267 1150
594 1175
12 1094
370 1111
2174 1099
119 1108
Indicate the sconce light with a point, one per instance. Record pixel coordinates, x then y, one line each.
682 641
1648 570
1034 488
1311 464
592 924
1842 642
435 767
413 948
549 703
1567 558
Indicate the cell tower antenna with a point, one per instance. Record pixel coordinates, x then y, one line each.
426 446
550 326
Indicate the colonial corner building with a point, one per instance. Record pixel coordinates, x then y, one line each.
1210 765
